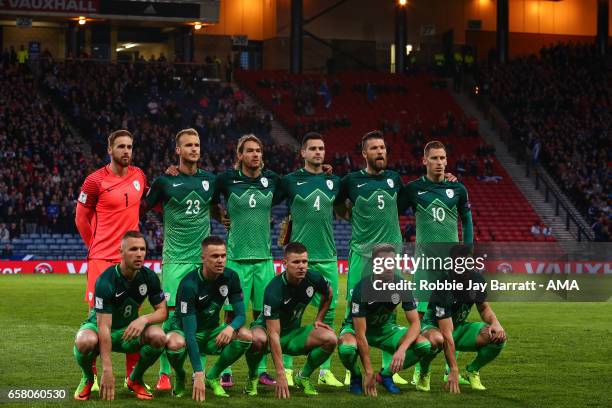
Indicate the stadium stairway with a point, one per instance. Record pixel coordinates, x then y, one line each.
517 172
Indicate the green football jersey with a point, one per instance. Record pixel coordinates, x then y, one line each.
444 304
287 303
374 216
311 198
377 313
204 298
437 207
185 200
249 204
115 295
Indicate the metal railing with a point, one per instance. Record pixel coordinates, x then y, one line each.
521 152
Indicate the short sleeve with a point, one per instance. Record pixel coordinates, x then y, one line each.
156 294
186 299
155 194
220 187
272 303
358 307
104 296
440 304
406 198
279 189
235 290
90 190
343 194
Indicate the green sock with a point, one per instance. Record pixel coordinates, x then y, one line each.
229 354
148 357
485 355
348 357
425 363
328 320
84 361
386 359
164 364
262 368
253 361
413 355
176 359
288 362
315 358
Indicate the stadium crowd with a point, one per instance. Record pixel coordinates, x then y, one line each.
42 163
560 104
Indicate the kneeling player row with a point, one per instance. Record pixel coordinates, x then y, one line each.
114 325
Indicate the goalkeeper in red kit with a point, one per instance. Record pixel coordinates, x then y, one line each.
108 206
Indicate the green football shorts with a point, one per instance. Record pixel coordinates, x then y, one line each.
206 339
254 277
386 338
293 342
465 334
329 270
118 344
172 275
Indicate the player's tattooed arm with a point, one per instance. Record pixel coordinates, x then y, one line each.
446 329
107 382
494 330
360 325
282 388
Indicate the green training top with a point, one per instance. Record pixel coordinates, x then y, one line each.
116 295
185 201
287 303
311 198
249 204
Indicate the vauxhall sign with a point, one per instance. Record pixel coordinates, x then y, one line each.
51 6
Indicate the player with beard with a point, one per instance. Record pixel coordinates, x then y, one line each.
108 206
185 198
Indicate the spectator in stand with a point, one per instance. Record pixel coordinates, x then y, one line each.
4 233
546 230
536 231
409 232
7 252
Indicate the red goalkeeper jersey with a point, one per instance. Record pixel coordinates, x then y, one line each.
116 201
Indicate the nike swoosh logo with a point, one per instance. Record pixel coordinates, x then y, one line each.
202 297
359 185
177 184
119 294
421 192
287 301
299 183
369 303
237 181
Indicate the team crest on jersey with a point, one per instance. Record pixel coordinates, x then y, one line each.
205 185
395 298
137 185
264 181
330 184
355 308
183 307
439 311
142 289
390 183
310 291
450 192
223 290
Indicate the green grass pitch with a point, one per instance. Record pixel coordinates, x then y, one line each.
558 355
